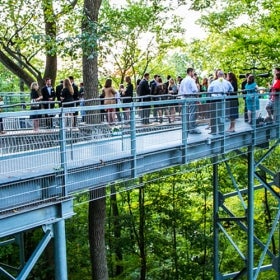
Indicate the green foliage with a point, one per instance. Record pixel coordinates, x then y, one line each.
78 245
242 35
139 35
8 81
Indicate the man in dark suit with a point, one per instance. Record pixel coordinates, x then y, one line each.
153 85
144 94
48 94
76 98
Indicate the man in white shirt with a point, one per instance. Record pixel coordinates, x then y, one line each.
188 89
218 88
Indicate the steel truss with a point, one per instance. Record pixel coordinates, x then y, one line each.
234 226
55 231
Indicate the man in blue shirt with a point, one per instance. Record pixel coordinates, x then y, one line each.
188 89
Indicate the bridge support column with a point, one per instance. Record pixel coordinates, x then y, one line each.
250 214
215 218
60 251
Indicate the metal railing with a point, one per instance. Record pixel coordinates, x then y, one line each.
76 148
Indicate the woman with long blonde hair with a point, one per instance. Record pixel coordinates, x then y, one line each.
35 97
109 98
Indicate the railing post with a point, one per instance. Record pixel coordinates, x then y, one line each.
223 115
222 120
216 202
63 151
133 147
250 214
254 117
185 119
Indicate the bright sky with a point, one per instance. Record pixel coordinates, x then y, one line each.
193 31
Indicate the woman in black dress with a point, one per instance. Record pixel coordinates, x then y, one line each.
128 95
67 97
233 103
35 97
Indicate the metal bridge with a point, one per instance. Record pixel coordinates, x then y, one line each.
41 171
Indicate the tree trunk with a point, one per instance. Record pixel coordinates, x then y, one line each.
90 66
96 218
51 33
90 62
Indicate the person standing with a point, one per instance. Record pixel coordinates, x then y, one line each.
127 95
167 83
275 90
144 94
109 98
204 105
48 94
188 89
252 99
81 90
58 91
173 92
218 88
67 94
233 103
35 97
160 92
271 102
67 98
153 84
243 84
76 98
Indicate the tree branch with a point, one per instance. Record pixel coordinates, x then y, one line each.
15 69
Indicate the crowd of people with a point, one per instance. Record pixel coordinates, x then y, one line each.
215 86
68 94
156 89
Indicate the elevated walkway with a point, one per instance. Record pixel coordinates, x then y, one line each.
41 171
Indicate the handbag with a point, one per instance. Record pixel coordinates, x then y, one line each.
35 104
260 120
